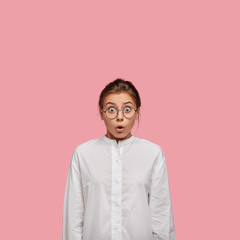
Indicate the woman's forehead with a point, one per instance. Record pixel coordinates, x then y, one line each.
118 98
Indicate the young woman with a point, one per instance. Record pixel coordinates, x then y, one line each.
117 185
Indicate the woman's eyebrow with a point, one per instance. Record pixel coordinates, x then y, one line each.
115 104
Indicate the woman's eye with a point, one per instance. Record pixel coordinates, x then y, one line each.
127 109
111 109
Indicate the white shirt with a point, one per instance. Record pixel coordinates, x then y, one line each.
117 191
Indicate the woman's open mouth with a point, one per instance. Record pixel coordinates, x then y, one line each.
119 128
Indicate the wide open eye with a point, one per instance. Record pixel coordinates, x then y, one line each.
127 109
111 109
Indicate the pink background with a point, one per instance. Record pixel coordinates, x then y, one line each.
182 56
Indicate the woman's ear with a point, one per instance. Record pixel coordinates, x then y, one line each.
138 112
100 112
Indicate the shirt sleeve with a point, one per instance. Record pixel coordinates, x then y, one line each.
160 204
73 206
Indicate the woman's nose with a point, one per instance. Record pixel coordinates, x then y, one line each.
120 115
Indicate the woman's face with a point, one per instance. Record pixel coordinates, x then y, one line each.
118 101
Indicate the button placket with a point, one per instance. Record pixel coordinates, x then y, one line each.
116 191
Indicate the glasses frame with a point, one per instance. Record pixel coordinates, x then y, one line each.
123 113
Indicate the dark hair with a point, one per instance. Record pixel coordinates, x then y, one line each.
117 86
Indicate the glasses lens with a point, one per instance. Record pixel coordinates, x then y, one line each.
111 112
129 112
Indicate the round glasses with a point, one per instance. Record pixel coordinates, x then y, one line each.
128 112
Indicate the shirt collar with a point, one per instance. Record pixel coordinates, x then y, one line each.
120 142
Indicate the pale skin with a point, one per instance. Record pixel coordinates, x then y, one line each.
119 99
